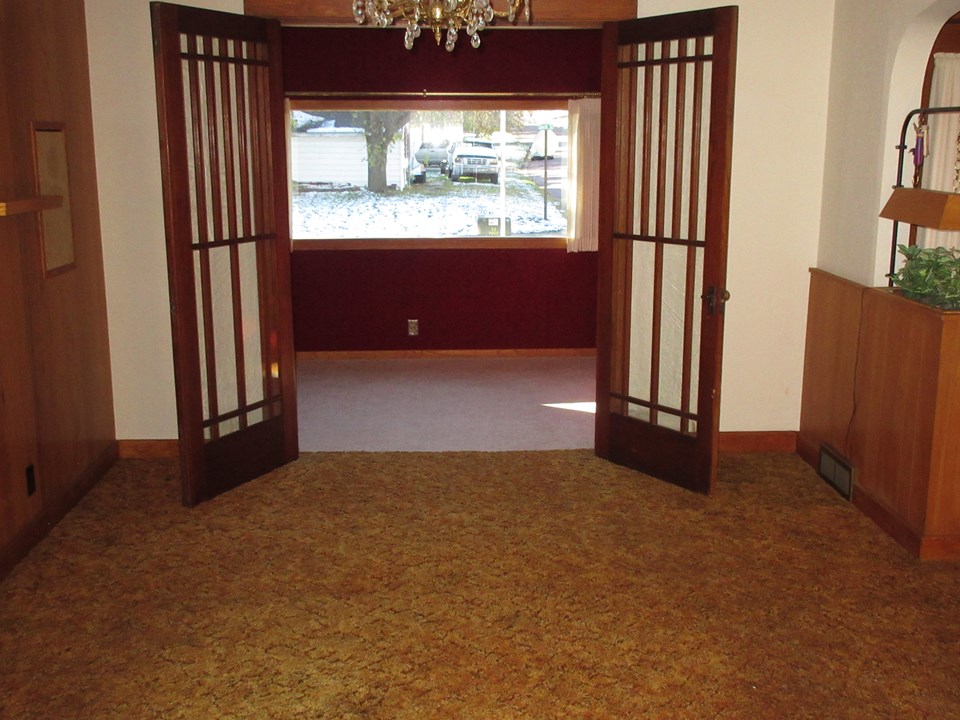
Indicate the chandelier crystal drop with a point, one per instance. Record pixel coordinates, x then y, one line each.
439 16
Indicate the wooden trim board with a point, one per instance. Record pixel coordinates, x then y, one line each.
730 442
411 354
779 441
148 449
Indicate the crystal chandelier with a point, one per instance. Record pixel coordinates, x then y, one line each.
437 15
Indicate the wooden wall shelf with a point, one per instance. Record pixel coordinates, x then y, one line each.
30 205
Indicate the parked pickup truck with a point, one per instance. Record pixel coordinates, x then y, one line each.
477 160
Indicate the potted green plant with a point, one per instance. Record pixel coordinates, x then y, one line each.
930 275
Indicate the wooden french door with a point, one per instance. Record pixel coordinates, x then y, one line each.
228 244
667 109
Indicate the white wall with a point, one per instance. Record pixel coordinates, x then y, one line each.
131 213
780 126
880 54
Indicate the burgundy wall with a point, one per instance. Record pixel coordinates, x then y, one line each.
507 61
464 299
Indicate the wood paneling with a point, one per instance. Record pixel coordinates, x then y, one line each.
356 300
74 398
18 423
351 61
545 13
55 508
44 78
830 359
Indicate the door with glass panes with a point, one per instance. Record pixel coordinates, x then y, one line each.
668 87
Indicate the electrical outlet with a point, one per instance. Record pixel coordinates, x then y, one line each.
31 481
413 327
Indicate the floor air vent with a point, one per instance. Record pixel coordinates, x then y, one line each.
836 470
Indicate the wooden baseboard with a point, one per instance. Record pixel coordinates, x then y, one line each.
730 442
808 450
411 354
149 449
55 510
924 547
780 441
887 521
940 547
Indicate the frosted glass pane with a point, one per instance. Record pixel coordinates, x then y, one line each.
697 320
704 155
686 139
672 332
245 184
191 162
229 426
250 309
219 179
206 229
237 143
201 337
669 128
223 329
641 322
651 128
638 412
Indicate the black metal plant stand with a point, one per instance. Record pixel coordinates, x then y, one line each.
902 149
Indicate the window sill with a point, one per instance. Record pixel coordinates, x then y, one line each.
478 243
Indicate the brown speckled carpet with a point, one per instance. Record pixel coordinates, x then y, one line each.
477 585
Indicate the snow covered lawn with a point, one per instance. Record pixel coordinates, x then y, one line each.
438 208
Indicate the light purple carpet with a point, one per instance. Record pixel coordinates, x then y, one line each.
445 404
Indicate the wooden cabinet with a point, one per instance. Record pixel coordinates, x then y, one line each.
905 429
881 386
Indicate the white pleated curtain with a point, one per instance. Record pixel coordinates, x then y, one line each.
584 175
940 168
